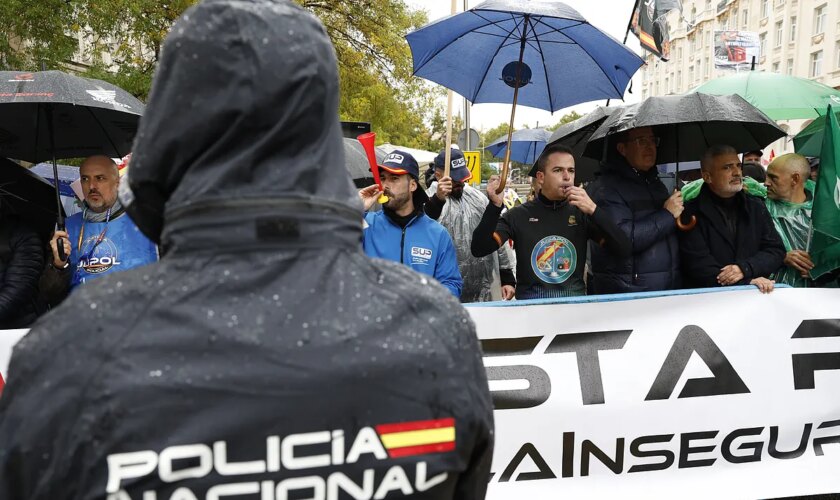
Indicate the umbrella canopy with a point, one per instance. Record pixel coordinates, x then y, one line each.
526 145
809 140
575 135
356 161
781 97
475 53
66 176
688 124
88 116
28 196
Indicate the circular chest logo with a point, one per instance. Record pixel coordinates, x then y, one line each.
103 257
554 259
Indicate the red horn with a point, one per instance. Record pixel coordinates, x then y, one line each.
367 141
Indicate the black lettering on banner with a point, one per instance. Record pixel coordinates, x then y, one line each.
686 449
509 346
819 442
773 450
568 454
756 447
815 328
692 338
539 386
586 346
806 365
667 455
588 448
528 450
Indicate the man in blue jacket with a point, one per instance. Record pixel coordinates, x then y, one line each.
401 231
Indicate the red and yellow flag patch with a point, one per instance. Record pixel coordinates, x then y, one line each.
418 438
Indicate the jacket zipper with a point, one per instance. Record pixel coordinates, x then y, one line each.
402 245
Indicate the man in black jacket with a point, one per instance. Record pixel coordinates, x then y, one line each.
630 192
550 233
734 241
264 356
21 263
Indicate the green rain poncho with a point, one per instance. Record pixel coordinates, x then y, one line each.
792 221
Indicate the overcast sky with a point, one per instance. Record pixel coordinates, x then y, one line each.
610 16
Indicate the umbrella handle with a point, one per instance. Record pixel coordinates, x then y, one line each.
59 245
686 226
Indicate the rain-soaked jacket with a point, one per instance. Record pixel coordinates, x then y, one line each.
481 275
265 355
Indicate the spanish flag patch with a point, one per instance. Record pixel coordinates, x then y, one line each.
418 438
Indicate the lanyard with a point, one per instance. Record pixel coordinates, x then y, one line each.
96 243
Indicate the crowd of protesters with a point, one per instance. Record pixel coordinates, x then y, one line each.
624 233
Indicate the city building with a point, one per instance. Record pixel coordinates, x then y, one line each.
796 37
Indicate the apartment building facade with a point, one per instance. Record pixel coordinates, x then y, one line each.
796 37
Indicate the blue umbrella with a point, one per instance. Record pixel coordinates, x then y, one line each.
526 145
66 176
540 54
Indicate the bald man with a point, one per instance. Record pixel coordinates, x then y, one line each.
100 239
789 199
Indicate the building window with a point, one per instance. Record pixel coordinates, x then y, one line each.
691 75
780 2
793 29
790 66
765 8
837 53
779 34
679 81
744 15
762 44
819 20
706 68
816 64
775 67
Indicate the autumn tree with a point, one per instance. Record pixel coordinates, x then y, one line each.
120 41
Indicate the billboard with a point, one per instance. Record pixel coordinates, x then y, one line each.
735 50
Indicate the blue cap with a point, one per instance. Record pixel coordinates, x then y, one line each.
401 163
458 170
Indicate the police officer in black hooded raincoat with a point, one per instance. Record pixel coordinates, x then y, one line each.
265 356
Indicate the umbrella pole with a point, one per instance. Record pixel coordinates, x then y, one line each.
691 223
506 164
447 155
59 214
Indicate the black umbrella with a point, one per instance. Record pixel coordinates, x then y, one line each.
28 196
52 114
687 125
575 135
356 161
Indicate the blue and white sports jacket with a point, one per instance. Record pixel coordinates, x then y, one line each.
424 245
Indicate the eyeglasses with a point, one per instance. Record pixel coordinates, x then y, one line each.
645 141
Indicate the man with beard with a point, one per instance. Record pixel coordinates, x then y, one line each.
100 239
401 231
485 278
550 233
264 356
734 241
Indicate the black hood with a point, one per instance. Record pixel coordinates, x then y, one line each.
242 119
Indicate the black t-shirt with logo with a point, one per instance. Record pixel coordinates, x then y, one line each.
550 240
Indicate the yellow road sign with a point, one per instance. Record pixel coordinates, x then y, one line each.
474 164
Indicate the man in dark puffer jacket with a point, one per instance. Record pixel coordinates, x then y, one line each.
630 191
21 263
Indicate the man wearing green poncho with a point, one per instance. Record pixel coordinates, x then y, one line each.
789 194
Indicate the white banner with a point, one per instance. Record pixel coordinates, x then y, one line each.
8 339
725 395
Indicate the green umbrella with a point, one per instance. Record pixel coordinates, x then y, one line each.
781 97
808 141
